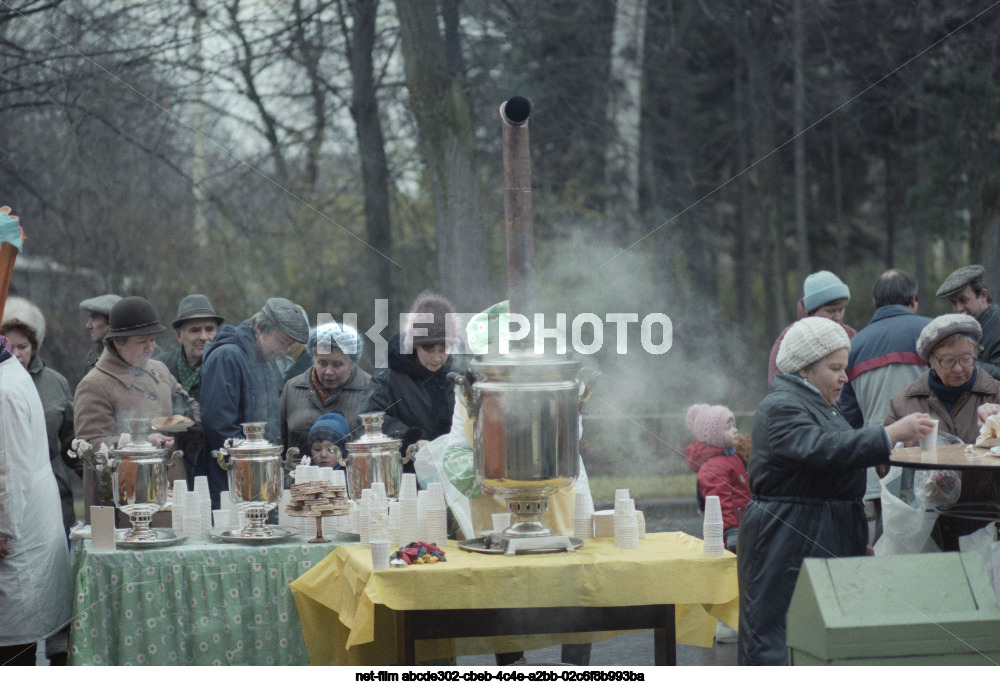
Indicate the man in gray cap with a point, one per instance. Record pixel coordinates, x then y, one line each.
968 294
98 309
195 326
238 383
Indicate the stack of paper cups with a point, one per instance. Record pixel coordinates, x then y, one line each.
339 478
224 519
364 516
626 528
283 517
204 504
408 487
177 506
192 514
409 529
381 549
604 523
640 522
436 515
394 524
714 544
583 516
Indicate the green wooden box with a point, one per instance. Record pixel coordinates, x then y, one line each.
898 610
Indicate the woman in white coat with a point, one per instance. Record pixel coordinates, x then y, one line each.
36 592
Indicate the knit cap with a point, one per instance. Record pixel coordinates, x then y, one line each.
943 326
477 332
22 310
334 336
332 427
426 323
822 287
809 340
707 423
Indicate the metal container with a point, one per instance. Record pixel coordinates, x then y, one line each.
525 434
139 480
374 458
256 476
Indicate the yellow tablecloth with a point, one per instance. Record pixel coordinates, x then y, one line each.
342 603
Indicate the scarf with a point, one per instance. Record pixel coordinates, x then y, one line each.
189 377
949 396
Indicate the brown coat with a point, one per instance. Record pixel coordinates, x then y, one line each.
300 406
962 422
112 393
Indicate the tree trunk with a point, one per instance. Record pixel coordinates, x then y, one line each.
443 118
371 146
624 114
798 125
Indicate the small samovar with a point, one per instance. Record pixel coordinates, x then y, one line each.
374 458
256 476
139 479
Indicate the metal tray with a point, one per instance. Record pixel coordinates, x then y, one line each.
482 546
165 537
279 535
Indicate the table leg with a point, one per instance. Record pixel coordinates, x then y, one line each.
406 651
665 640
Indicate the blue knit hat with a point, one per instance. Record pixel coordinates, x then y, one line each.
822 287
332 427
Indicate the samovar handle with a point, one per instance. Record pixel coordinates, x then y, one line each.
174 457
585 378
290 457
220 456
340 457
411 453
471 397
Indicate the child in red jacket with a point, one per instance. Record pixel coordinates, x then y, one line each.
720 470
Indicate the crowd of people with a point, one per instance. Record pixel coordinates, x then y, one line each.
839 401
803 483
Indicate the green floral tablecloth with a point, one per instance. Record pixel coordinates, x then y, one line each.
194 604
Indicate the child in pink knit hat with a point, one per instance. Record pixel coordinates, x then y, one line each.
720 470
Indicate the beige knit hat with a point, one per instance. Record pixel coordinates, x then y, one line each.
809 340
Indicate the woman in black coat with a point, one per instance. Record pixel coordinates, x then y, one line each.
807 475
414 391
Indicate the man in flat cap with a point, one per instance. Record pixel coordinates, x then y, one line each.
195 326
98 310
238 383
966 289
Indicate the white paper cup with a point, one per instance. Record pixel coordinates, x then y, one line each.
622 493
381 549
604 524
501 522
339 478
640 522
408 488
928 443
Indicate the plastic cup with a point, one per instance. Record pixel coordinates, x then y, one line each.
928 443
501 522
381 549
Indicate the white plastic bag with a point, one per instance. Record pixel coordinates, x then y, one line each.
985 542
906 529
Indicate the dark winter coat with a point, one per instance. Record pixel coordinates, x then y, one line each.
237 386
57 401
989 359
807 475
418 404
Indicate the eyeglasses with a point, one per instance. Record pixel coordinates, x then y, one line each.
966 360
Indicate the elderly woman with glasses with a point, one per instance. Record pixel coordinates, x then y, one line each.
960 395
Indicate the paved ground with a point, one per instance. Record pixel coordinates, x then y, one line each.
637 649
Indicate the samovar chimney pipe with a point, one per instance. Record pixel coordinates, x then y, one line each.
517 205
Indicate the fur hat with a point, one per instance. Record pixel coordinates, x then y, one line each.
707 423
22 310
809 340
425 323
943 326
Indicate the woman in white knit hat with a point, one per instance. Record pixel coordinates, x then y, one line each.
807 476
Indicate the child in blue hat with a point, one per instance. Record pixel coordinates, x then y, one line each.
329 431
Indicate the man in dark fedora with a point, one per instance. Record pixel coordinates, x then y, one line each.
195 326
966 289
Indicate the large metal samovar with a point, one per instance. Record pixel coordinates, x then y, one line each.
139 480
525 406
256 476
374 458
